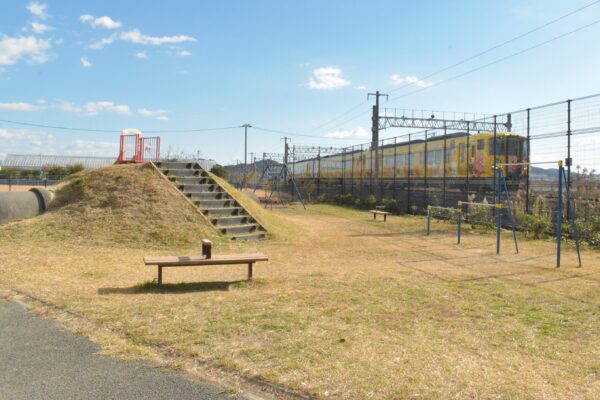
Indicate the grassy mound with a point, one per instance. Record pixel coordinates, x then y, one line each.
119 206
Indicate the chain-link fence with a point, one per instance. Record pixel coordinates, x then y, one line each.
449 164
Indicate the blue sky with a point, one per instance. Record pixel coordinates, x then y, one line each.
282 65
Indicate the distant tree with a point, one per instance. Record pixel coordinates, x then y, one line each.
72 169
219 171
57 170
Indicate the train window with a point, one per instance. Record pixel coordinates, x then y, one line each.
400 160
480 144
411 158
462 150
389 161
421 158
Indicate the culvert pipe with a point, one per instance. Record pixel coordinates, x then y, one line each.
21 205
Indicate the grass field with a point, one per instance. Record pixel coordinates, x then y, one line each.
347 308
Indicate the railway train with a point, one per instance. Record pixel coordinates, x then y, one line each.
465 153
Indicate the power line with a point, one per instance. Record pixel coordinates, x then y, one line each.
457 64
500 45
500 59
67 128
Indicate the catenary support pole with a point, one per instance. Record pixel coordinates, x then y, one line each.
559 214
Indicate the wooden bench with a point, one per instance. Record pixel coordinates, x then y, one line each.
205 260
379 212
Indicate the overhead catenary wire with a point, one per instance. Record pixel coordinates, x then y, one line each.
456 64
500 59
489 50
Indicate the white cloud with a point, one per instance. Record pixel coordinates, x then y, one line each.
396 79
327 78
19 107
94 145
162 118
409 80
100 44
24 138
67 106
37 9
362 87
104 21
141 55
357 132
40 101
96 107
184 53
151 113
85 62
135 36
40 28
13 49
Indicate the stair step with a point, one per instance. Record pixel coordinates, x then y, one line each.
216 211
187 173
250 236
229 221
178 165
200 187
207 195
188 180
236 229
215 203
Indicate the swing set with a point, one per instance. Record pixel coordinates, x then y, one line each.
502 188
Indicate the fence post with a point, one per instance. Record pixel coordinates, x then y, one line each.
468 159
319 172
352 171
10 184
527 208
428 219
425 173
459 212
408 177
559 214
444 173
394 179
568 161
380 172
495 156
343 170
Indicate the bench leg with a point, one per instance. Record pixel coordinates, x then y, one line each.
384 217
249 271
374 216
160 275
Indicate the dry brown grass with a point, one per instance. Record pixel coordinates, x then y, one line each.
350 308
121 206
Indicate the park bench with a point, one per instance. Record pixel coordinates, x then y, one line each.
379 211
206 259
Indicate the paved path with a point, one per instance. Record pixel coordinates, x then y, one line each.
38 360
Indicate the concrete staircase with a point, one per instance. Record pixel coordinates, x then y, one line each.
221 209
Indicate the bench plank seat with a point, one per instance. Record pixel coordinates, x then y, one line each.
376 212
192 261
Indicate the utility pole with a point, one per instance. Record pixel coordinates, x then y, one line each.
245 126
252 161
285 156
375 130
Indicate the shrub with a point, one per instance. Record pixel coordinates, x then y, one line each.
219 171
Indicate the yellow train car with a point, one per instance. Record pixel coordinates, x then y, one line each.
472 154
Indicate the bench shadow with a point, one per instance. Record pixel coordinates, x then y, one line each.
153 287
